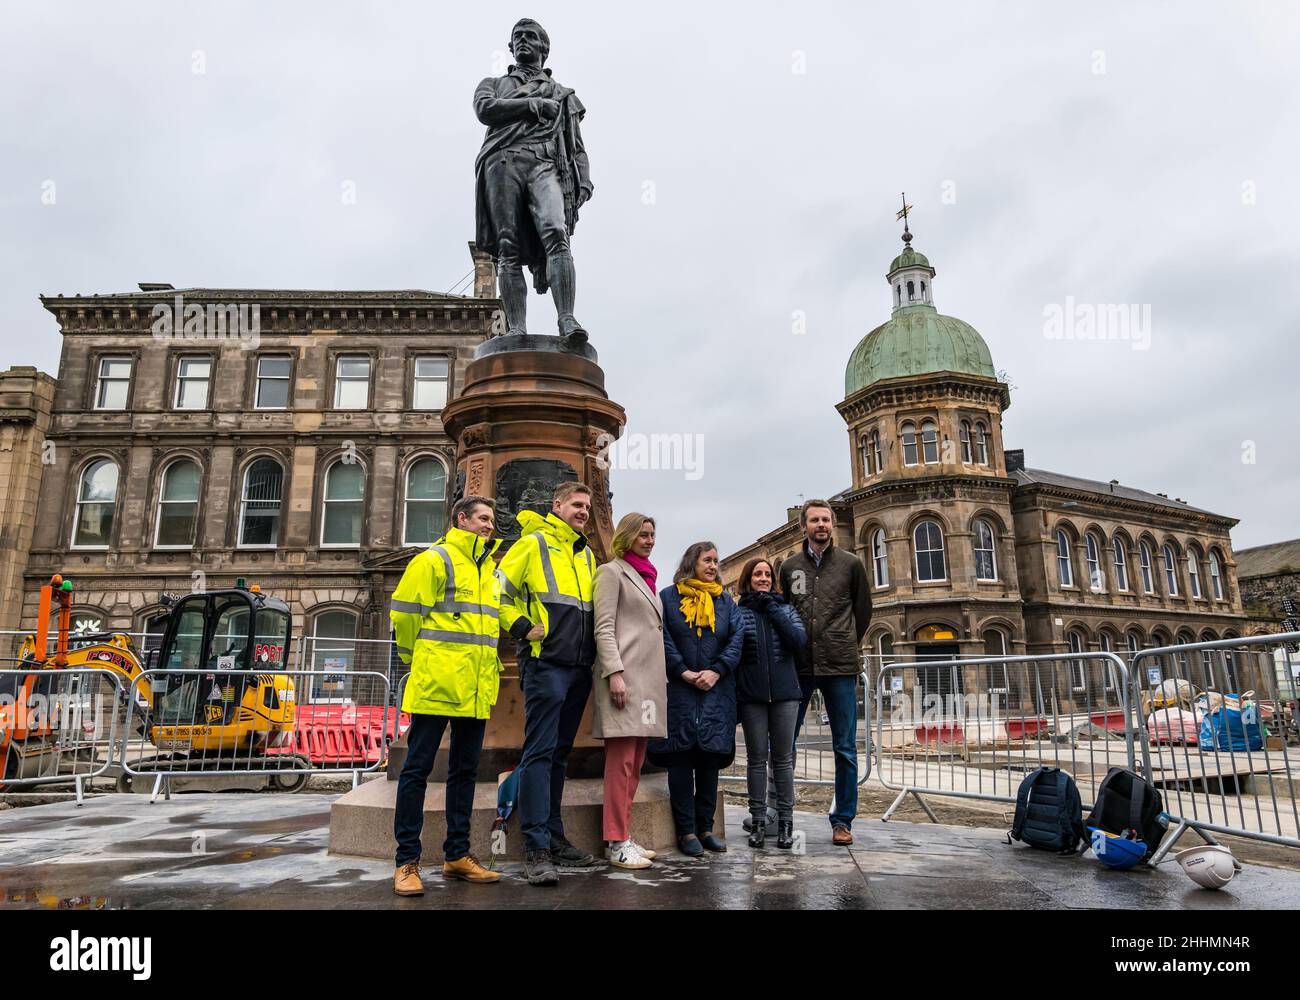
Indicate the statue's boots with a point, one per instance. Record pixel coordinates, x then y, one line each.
563 281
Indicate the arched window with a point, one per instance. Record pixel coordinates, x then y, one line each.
911 291
963 434
96 503
1121 563
982 443
1134 640
886 646
879 558
930 442
876 453
864 446
1144 560
1207 661
996 678
1216 576
426 502
1171 569
1193 573
1064 567
1096 578
986 559
930 564
334 651
178 505
259 515
1184 662
908 432
1231 664
1107 645
1078 675
345 485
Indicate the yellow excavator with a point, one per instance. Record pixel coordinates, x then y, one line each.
202 709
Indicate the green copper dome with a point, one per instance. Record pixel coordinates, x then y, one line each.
908 258
917 340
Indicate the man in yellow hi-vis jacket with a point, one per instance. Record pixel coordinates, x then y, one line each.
546 606
445 619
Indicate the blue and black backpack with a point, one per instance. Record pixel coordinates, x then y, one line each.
1049 812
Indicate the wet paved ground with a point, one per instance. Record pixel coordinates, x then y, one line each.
268 852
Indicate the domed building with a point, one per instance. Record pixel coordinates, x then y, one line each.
971 553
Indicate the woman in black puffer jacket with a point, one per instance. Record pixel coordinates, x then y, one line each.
767 690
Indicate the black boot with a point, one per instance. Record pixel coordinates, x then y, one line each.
758 834
785 834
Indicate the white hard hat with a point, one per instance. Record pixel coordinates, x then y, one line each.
1210 865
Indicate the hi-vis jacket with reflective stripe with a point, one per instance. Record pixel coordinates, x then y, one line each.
445 617
546 579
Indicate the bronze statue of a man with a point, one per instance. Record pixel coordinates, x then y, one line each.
532 177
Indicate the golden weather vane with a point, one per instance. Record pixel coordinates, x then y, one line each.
902 214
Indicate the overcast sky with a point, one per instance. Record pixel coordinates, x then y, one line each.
747 161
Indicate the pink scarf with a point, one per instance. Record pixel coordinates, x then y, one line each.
643 566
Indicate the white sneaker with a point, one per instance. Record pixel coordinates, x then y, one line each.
648 854
625 855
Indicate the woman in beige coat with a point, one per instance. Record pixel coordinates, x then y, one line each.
630 688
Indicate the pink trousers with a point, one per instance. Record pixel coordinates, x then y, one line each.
624 756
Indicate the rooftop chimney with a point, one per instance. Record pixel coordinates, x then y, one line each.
155 286
485 273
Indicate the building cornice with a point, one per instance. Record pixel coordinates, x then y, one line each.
1027 495
899 392
280 312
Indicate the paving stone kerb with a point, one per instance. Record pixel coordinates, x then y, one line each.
261 851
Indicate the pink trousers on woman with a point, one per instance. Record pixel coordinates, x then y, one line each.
624 756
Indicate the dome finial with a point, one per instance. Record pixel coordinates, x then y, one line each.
902 214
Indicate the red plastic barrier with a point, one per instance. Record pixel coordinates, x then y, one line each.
944 732
1112 721
343 734
1020 729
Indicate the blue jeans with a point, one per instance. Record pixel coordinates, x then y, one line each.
840 693
422 741
554 699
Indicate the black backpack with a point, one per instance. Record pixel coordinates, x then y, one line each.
1049 812
1127 801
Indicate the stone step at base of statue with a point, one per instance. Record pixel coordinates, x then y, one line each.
584 762
361 822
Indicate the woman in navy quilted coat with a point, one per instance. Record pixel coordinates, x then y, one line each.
703 633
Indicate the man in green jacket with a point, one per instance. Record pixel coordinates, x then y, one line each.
445 618
830 590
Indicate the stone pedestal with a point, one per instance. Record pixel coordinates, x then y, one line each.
361 822
531 414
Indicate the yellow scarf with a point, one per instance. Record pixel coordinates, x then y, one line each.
697 602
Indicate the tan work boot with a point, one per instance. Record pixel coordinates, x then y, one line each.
406 881
467 869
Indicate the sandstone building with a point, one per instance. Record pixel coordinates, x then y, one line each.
972 551
290 438
26 397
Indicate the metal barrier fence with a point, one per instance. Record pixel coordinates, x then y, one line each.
342 666
58 725
974 727
238 723
969 727
1220 753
